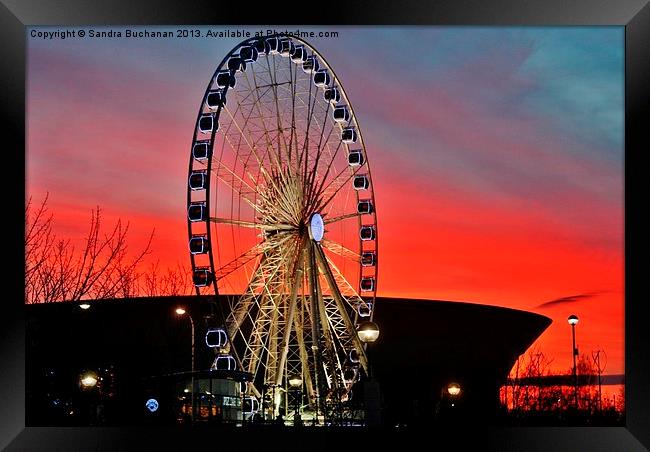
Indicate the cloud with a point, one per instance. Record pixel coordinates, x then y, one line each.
569 299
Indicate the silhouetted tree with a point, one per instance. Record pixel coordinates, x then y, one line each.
534 364
56 271
39 246
526 393
175 281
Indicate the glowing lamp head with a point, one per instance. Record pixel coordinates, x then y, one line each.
573 319
368 331
295 381
88 380
453 389
180 311
84 306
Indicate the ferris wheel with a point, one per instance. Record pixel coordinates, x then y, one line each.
282 219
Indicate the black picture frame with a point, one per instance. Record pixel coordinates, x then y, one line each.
16 15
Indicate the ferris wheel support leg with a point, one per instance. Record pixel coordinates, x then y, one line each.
297 282
315 327
327 271
335 373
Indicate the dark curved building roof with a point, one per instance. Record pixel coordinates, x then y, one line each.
423 346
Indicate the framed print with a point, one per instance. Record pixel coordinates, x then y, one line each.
204 203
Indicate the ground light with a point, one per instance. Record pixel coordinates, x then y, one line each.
88 380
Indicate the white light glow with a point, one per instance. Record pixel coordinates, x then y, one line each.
317 227
453 389
88 380
152 405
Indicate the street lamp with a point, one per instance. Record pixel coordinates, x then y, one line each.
88 380
573 321
453 389
448 394
368 332
181 311
295 381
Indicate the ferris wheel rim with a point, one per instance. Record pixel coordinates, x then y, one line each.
219 68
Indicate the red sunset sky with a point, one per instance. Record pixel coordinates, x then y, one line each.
497 158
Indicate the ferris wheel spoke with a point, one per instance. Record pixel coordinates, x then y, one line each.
245 138
293 110
240 261
274 158
258 103
310 114
328 193
340 250
253 225
341 217
231 174
280 129
319 151
331 163
315 194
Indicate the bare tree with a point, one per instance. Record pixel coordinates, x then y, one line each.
176 281
56 271
39 241
533 365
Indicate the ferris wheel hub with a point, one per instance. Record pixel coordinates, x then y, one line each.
316 227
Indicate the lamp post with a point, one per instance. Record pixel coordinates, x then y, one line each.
573 321
90 398
181 311
453 389
295 382
368 332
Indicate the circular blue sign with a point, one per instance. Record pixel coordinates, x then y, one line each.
152 405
